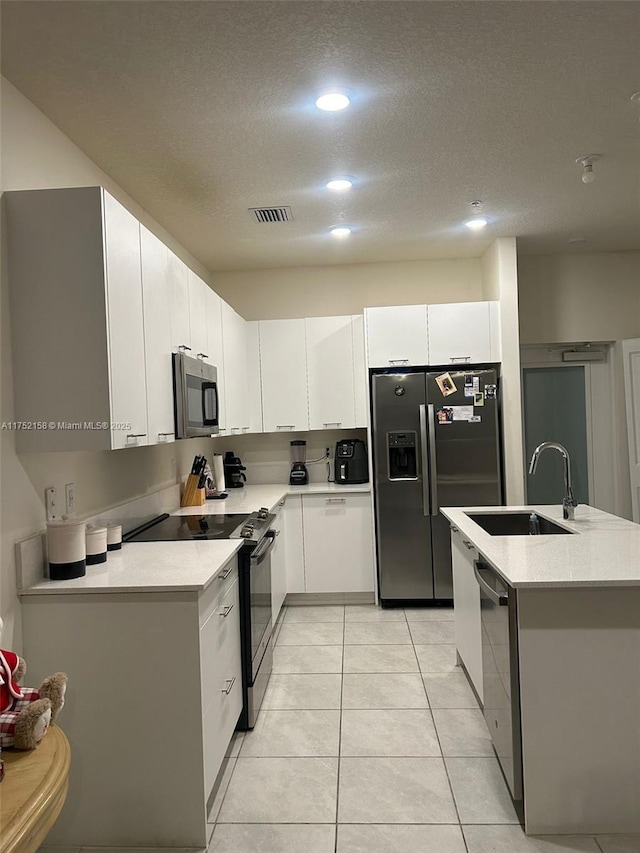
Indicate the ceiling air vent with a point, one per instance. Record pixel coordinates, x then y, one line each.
271 214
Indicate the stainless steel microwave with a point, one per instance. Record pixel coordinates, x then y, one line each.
195 396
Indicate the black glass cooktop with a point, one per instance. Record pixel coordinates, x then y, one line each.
169 528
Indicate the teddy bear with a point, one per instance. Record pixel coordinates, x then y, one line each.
26 712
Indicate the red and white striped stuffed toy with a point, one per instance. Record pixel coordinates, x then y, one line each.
26 712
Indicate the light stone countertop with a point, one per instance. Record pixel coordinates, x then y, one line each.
149 567
603 552
186 565
251 498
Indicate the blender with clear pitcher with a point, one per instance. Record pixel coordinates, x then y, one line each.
299 475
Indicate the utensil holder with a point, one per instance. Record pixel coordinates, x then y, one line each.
192 495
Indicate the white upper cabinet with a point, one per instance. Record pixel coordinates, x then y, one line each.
330 372
76 304
126 330
234 341
253 387
359 371
198 317
459 333
157 336
397 336
215 349
283 366
179 293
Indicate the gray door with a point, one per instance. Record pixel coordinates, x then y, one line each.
464 454
555 410
403 530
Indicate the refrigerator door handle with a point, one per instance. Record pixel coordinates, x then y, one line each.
425 461
435 509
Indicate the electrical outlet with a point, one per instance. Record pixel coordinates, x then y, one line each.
327 452
51 501
70 494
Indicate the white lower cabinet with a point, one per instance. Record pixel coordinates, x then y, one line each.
466 599
154 695
338 543
294 543
279 563
220 672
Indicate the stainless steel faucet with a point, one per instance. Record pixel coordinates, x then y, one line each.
569 503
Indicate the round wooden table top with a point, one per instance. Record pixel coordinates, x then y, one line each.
33 792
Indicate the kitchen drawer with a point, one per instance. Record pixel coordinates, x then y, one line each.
220 720
217 589
219 638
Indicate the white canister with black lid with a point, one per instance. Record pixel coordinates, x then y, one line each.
66 550
96 538
114 537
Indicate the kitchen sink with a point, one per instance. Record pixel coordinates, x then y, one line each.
513 523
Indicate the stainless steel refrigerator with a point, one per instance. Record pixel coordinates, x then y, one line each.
436 442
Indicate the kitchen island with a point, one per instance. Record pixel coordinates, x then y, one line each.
576 600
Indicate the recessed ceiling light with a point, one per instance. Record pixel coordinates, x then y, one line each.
339 185
476 224
333 101
340 232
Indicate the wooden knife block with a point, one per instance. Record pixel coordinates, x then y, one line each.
192 495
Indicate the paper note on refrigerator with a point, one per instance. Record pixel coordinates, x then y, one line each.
462 413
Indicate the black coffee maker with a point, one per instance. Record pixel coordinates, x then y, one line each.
233 468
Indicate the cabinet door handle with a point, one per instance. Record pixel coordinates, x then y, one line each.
469 545
285 426
225 574
398 361
184 348
335 500
202 355
230 682
454 529
226 610
465 358
165 434
336 424
136 435
281 503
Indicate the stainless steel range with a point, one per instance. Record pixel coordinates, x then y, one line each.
254 569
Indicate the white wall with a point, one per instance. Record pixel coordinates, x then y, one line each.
500 282
586 297
347 289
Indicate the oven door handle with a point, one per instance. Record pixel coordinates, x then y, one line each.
261 552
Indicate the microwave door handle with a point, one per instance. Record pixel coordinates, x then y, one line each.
209 386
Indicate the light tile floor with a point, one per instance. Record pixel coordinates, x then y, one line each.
371 741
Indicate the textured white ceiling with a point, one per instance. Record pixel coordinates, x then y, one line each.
201 110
